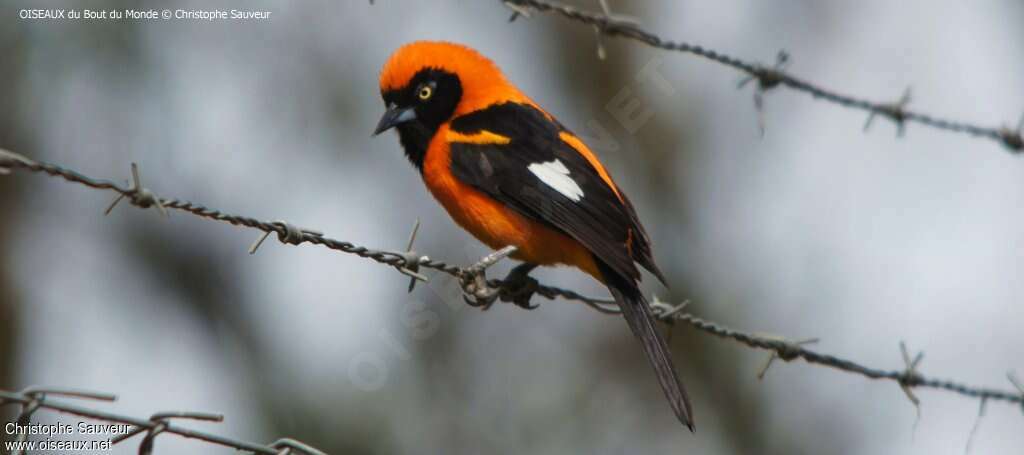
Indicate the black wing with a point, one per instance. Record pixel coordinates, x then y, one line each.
585 208
594 215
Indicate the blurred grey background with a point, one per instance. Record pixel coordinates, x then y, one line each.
818 229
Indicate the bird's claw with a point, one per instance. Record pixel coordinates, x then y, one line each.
477 292
518 287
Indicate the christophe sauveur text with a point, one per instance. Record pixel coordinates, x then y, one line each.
64 429
58 434
141 14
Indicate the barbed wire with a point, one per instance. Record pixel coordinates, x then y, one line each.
480 291
32 399
769 77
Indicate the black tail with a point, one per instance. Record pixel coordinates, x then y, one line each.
641 321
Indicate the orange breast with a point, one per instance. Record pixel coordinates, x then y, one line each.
490 221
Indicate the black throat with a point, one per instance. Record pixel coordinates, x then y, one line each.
415 138
415 135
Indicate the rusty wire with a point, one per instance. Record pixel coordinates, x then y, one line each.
409 262
769 77
32 399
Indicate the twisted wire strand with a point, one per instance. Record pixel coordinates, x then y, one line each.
782 348
770 77
789 351
39 400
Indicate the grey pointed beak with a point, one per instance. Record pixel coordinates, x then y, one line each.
394 117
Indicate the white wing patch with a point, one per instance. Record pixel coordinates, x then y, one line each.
556 175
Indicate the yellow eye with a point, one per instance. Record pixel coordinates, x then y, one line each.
425 92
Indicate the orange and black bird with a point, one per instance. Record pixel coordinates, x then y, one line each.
509 173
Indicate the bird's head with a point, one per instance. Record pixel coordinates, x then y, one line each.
426 83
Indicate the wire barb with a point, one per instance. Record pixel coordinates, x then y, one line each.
787 354
1017 384
611 20
473 280
161 422
25 418
287 445
69 393
897 112
910 378
1012 138
602 54
138 195
409 261
517 11
768 78
633 32
666 311
287 233
9 159
977 423
33 399
160 419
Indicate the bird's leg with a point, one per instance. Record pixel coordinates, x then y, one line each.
476 290
518 287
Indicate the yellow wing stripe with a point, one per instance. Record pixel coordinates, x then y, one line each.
482 138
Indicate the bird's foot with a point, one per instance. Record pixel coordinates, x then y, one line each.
477 291
518 287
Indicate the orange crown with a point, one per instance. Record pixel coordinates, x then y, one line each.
482 82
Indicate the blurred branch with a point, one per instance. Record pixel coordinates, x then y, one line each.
480 291
770 77
32 399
